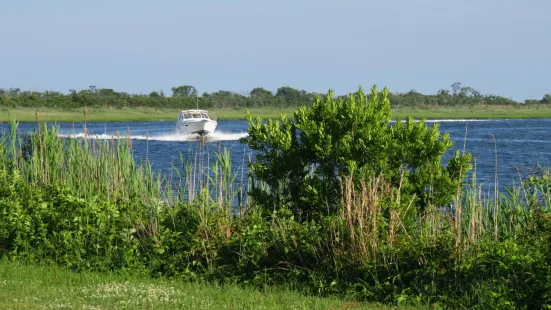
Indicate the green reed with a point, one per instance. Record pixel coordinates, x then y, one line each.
195 214
107 168
88 167
375 216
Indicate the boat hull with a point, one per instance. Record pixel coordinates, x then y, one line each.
201 127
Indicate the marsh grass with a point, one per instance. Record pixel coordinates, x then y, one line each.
152 114
200 222
375 215
107 168
142 114
473 112
88 167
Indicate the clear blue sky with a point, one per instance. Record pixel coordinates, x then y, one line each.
498 47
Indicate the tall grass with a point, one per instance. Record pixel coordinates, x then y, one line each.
107 168
376 215
200 222
374 212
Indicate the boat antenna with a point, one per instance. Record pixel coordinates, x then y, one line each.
197 102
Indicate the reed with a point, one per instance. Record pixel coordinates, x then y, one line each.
200 222
107 168
376 217
374 212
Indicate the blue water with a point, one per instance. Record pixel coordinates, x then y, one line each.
520 145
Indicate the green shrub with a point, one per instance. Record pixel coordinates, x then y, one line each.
300 163
345 203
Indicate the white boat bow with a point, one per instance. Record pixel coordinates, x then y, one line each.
194 122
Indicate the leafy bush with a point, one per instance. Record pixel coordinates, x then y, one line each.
50 224
301 163
349 205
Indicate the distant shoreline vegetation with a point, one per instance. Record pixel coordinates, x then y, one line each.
155 114
187 96
107 105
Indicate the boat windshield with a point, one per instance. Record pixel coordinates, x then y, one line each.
194 115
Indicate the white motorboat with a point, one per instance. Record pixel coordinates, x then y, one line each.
194 122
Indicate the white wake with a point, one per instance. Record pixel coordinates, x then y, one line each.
217 136
451 120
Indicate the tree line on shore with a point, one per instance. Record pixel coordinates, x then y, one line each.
187 96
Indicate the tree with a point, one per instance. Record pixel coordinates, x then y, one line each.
260 96
259 92
226 98
469 91
546 99
154 94
74 95
14 91
288 94
456 88
531 101
414 98
107 92
184 91
443 93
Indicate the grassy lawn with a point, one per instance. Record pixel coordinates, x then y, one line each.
152 114
32 287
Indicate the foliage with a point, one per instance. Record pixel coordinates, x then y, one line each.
187 96
379 242
301 163
184 91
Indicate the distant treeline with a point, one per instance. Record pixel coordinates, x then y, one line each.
186 96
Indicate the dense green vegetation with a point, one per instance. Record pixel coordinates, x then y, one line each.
109 105
339 204
187 96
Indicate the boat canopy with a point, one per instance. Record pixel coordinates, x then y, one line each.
194 111
189 114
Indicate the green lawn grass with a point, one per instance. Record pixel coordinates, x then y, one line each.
34 287
152 114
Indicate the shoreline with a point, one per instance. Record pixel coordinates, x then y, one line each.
146 114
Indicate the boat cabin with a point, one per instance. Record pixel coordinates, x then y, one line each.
193 114
194 122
